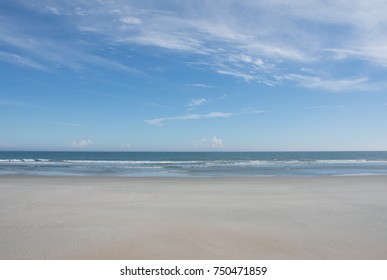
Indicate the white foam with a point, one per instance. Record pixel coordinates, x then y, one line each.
351 161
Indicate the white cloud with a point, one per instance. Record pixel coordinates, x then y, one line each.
177 42
200 85
159 121
196 103
53 10
251 110
318 107
127 146
7 146
353 84
374 53
248 67
131 20
81 143
67 124
273 50
214 142
7 102
19 60
237 74
255 41
46 52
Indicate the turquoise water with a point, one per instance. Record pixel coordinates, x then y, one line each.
216 164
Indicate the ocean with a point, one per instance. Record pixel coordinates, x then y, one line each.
193 164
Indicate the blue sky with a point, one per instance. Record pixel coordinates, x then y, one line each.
193 75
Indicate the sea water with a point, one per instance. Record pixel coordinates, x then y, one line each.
215 164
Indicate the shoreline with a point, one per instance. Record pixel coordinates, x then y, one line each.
93 217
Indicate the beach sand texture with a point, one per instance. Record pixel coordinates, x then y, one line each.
193 218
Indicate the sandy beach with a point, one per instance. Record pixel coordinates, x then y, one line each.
193 218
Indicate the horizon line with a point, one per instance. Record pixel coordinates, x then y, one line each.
194 151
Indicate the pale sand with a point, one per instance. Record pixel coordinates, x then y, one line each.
193 218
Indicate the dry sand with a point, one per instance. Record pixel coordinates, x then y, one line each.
193 218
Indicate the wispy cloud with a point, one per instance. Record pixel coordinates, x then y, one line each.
160 121
49 52
251 110
278 52
325 107
8 102
318 107
194 103
131 20
245 40
236 74
352 84
53 10
200 85
19 60
374 53
67 124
